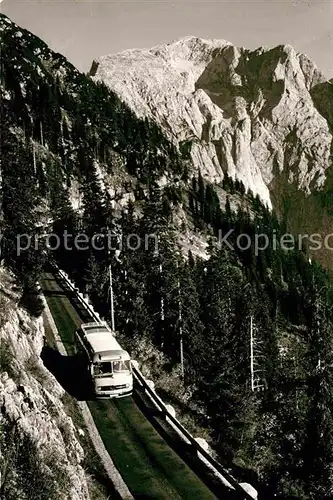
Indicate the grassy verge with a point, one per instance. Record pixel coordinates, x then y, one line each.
66 318
98 481
147 463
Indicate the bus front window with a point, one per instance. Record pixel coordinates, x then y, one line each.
121 366
102 369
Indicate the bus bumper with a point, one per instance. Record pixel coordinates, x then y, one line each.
113 394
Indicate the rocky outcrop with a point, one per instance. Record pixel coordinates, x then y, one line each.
251 114
41 455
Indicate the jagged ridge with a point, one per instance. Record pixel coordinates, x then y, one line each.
248 113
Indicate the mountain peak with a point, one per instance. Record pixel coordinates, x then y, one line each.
193 41
238 108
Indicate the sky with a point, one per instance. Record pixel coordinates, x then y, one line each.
82 30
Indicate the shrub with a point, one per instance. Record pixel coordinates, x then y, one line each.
32 302
3 310
32 366
7 359
22 471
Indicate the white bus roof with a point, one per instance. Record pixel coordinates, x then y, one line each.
102 340
95 327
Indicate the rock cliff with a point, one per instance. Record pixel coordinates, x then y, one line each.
41 455
252 114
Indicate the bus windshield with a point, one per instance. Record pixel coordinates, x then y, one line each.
121 366
107 368
102 369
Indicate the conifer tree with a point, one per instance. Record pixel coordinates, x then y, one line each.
227 210
223 355
318 448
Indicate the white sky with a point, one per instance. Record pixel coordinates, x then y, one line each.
82 30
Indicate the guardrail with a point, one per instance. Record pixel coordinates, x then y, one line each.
214 465
230 480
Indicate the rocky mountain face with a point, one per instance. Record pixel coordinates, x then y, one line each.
41 454
263 116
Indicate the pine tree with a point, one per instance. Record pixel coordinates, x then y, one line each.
227 210
131 291
222 386
318 448
192 326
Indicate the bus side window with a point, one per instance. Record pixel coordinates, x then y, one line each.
87 347
76 343
79 343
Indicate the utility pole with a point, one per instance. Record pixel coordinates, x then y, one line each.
295 375
251 354
162 299
41 132
111 298
110 283
160 270
180 330
254 355
34 157
180 326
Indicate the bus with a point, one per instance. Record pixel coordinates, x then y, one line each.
108 363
